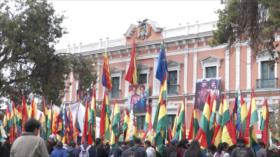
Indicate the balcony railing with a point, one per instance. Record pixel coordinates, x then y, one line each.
173 89
267 83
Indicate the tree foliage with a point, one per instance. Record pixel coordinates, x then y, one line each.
29 30
255 21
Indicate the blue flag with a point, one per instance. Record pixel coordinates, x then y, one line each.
161 73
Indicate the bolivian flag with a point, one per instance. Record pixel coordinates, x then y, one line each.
228 133
131 75
216 140
203 135
264 122
106 77
194 126
105 119
161 119
115 124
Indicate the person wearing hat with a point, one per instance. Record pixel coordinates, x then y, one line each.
29 144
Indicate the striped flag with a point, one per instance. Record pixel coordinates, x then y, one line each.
161 115
216 140
229 132
131 75
243 116
86 132
92 117
24 112
125 125
115 124
251 122
71 132
106 77
264 122
194 126
174 129
33 109
148 122
105 119
203 135
212 122
235 117
180 125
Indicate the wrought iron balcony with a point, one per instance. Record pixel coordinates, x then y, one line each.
267 83
173 89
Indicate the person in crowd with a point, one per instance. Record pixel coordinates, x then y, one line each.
222 150
171 149
59 151
151 152
84 149
5 148
116 150
231 148
273 151
136 151
71 148
194 150
107 148
182 146
241 150
124 146
29 143
262 151
211 151
98 150
51 142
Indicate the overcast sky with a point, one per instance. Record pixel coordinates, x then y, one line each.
88 21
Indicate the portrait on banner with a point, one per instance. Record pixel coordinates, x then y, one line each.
205 87
138 98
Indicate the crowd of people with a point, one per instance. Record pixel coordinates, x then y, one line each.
29 144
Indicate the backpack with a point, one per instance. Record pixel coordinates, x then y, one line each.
242 152
84 152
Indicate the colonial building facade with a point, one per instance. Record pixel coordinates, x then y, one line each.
190 59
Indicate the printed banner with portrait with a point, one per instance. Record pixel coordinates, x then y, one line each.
138 98
203 88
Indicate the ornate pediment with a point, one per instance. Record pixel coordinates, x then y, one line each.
115 70
142 67
210 60
143 29
171 63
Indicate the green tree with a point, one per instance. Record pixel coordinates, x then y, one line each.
29 30
255 21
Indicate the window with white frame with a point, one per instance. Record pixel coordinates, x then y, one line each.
210 67
140 122
173 77
171 120
172 82
115 87
143 78
211 72
267 70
